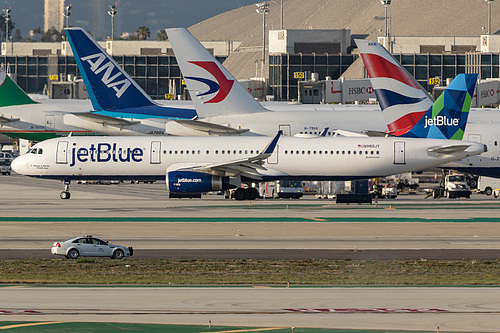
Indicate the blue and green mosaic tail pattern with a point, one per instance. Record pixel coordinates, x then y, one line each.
447 117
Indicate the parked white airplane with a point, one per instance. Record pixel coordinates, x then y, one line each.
404 103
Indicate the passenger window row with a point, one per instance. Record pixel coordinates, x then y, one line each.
332 152
207 152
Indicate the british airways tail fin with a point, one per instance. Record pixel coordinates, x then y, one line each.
447 117
111 86
10 93
402 99
213 89
407 107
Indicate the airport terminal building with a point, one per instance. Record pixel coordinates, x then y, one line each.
294 55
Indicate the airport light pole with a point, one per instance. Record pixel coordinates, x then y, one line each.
281 22
264 10
386 4
489 16
67 14
112 13
6 16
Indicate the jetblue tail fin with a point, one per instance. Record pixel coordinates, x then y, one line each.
447 117
111 87
407 108
213 89
402 99
10 93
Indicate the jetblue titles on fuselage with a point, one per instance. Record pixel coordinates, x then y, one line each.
97 66
105 152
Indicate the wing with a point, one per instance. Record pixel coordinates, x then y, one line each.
247 167
4 120
211 129
105 120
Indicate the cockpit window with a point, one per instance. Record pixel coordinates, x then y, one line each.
34 150
40 151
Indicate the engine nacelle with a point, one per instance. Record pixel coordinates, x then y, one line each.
195 182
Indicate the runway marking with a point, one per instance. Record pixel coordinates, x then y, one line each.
373 310
253 330
131 220
29 324
19 312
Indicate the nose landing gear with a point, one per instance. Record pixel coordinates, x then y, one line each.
65 194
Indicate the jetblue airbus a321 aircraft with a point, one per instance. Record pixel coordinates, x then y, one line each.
202 164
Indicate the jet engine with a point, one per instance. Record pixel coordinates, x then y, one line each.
195 182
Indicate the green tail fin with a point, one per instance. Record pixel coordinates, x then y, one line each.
10 93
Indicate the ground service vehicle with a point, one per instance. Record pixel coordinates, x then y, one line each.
284 189
88 246
488 185
453 186
5 166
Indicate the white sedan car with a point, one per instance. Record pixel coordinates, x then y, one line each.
88 246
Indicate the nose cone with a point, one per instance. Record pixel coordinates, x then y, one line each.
19 165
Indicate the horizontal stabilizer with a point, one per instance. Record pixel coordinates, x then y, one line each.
449 150
5 120
105 120
210 128
378 134
349 133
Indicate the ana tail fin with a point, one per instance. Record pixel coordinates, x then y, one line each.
10 93
447 117
213 89
110 86
402 99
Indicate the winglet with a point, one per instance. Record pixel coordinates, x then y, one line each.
325 131
272 145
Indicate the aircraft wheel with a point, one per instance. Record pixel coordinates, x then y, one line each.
240 194
252 193
65 195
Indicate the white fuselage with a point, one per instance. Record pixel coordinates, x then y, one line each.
151 157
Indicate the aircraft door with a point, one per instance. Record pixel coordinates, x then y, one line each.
62 152
287 130
399 152
273 159
155 156
50 121
474 138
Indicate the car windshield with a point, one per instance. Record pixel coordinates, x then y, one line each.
4 161
457 178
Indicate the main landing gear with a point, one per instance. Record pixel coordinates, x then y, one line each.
65 194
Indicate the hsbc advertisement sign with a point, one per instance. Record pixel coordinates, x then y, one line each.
348 91
357 90
487 93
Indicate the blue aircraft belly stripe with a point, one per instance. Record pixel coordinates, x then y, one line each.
151 112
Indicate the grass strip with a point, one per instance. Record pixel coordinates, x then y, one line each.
251 272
